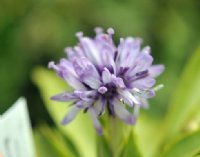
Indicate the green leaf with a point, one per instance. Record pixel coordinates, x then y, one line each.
50 144
130 148
186 98
188 146
119 139
103 149
149 135
80 131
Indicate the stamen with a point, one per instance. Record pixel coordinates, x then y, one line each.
79 34
122 100
53 66
158 87
110 31
102 90
98 30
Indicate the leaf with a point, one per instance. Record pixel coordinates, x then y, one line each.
50 144
149 135
188 146
186 98
103 148
80 131
131 148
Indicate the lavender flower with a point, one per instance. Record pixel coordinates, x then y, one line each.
105 77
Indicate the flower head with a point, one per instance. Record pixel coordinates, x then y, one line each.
105 77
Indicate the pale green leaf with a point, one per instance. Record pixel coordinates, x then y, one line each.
131 148
186 99
187 146
103 149
149 135
80 131
50 144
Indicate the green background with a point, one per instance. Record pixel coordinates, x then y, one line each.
34 32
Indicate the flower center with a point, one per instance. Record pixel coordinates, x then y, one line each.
108 91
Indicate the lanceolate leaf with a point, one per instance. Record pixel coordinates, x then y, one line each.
131 148
186 99
103 149
49 143
188 146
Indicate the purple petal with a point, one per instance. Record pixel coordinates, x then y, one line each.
156 70
143 93
128 97
64 97
95 120
144 83
99 106
122 113
84 104
144 103
119 82
107 58
142 63
106 76
71 115
90 50
87 72
128 50
65 70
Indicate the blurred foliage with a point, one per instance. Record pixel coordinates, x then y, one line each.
33 32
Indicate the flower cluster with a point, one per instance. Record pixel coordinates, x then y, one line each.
105 77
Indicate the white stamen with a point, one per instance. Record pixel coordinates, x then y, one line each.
98 30
79 34
110 31
158 87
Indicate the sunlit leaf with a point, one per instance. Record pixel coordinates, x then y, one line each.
188 146
50 144
80 131
149 135
131 148
186 99
103 149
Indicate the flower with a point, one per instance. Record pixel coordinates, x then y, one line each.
105 77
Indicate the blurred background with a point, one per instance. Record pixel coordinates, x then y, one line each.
34 32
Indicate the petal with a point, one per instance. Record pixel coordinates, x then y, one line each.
123 113
64 97
90 49
119 82
128 50
71 115
99 106
87 72
142 63
144 103
95 120
128 97
143 83
74 52
136 111
84 104
107 58
143 93
156 70
106 76
65 70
